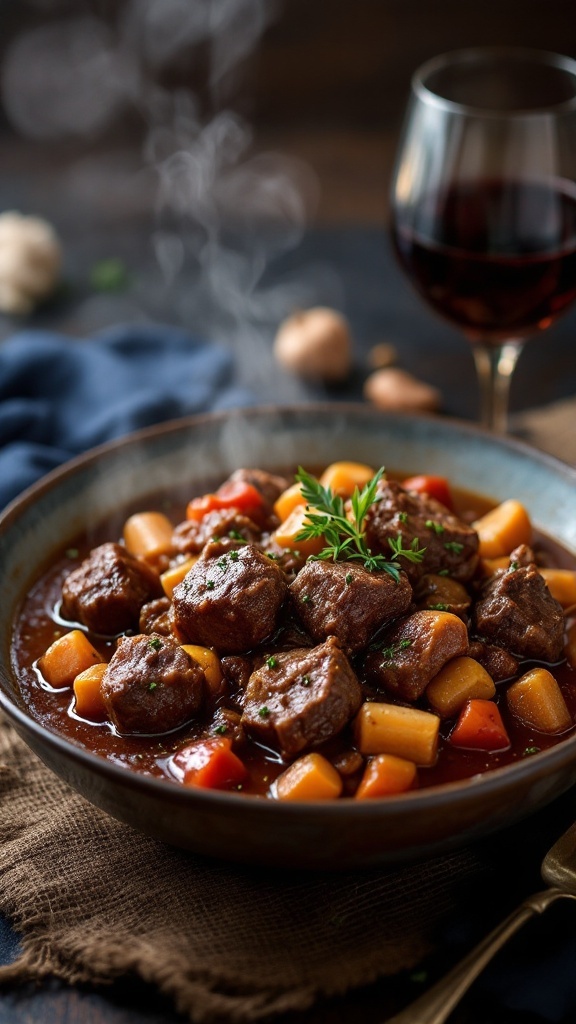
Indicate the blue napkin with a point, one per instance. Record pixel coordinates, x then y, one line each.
61 396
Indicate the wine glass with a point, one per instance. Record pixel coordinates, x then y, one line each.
484 201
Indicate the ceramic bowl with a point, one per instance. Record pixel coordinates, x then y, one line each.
250 829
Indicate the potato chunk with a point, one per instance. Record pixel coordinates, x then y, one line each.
460 680
537 700
391 729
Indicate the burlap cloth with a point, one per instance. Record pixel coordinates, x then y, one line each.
93 901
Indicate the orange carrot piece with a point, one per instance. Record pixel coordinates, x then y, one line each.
503 529
172 577
286 536
386 775
88 698
288 501
343 477
211 764
311 777
480 727
67 657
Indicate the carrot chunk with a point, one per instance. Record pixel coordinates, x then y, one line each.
344 477
233 494
88 699
562 585
172 577
288 501
480 727
287 534
67 657
503 529
211 764
386 775
311 777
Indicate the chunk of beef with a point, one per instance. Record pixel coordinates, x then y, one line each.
151 686
344 600
227 722
107 591
441 593
413 650
237 670
499 664
517 611
230 599
451 546
301 698
269 485
190 536
155 617
522 555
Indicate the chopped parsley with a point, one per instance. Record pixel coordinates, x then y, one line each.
439 607
433 525
455 546
272 662
234 556
389 653
348 578
222 563
403 517
155 643
72 552
152 685
528 751
263 711
306 598
210 584
221 730
514 566
443 572
235 535
306 680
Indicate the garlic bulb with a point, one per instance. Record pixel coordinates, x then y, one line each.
30 262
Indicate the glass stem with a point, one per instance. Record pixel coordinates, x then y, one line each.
494 366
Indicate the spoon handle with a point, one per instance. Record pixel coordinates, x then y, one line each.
435 1006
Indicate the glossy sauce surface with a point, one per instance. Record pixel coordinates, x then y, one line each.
39 624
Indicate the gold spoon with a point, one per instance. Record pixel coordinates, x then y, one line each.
559 873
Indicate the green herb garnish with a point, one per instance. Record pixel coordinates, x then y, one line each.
433 525
221 730
346 539
155 643
272 662
455 546
72 552
152 685
210 584
264 711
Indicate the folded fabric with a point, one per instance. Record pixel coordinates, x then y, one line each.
60 396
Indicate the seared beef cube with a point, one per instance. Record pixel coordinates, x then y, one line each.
443 594
522 555
107 591
151 686
230 599
344 600
413 650
301 698
517 611
190 536
499 664
155 617
451 546
227 722
237 670
269 485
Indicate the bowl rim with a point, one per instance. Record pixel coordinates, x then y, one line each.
496 779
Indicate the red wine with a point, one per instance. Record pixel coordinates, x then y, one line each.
497 258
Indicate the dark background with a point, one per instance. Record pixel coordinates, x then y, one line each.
288 116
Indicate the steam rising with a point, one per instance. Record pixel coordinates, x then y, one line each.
223 212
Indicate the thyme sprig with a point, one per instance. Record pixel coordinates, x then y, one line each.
345 536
